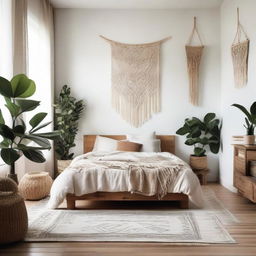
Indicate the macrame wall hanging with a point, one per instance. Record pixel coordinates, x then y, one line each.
194 54
135 80
240 53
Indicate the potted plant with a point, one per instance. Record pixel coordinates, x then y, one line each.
250 122
200 134
67 113
16 138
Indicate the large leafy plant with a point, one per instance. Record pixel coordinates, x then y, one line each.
17 137
67 114
250 119
202 133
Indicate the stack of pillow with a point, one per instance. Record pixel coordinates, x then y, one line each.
146 142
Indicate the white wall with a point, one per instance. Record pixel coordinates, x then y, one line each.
233 119
83 61
6 58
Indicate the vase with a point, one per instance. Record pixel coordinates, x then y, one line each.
198 162
249 139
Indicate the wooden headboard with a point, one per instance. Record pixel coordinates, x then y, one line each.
167 142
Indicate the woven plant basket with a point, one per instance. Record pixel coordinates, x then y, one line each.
13 213
35 185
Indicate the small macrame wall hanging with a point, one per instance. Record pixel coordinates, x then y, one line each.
194 54
135 80
240 53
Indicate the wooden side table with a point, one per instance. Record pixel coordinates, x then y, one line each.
202 175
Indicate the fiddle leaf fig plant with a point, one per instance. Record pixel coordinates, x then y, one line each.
68 111
250 119
202 133
17 137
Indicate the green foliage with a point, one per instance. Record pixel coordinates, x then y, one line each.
202 133
250 119
16 138
67 113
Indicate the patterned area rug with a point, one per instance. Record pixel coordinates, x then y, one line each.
175 226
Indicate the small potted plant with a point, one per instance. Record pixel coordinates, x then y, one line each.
68 111
200 134
250 122
17 137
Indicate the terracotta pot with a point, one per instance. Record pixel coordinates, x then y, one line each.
198 162
249 139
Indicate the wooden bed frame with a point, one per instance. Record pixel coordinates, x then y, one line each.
167 145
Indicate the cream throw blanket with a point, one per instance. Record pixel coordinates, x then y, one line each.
148 176
139 172
135 80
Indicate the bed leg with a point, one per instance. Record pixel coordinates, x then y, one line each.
184 204
71 204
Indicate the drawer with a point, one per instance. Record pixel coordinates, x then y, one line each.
245 186
240 165
251 155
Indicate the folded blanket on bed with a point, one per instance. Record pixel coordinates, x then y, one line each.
151 180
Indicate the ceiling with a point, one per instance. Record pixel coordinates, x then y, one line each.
136 4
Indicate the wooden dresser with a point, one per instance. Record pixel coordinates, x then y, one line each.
245 183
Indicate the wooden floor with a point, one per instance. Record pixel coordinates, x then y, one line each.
244 233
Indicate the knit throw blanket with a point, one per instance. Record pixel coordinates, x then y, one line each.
135 80
146 175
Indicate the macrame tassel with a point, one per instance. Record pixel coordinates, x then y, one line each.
194 54
240 63
240 53
135 114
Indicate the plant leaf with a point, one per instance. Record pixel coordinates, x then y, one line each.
34 155
12 107
49 135
22 86
183 130
25 147
209 117
199 151
38 140
27 105
196 132
19 129
40 127
5 143
9 155
214 147
190 142
244 110
5 87
37 119
1 118
253 108
6 132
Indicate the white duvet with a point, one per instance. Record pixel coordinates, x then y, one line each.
79 178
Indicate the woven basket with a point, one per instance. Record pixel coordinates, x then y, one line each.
35 185
13 213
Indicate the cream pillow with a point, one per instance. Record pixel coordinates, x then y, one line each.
148 141
105 144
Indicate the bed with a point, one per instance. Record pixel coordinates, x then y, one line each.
182 192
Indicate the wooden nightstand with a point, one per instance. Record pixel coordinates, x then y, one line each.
202 175
243 181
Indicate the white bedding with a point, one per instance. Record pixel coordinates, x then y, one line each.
78 180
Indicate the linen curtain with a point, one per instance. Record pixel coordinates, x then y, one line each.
6 64
33 27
